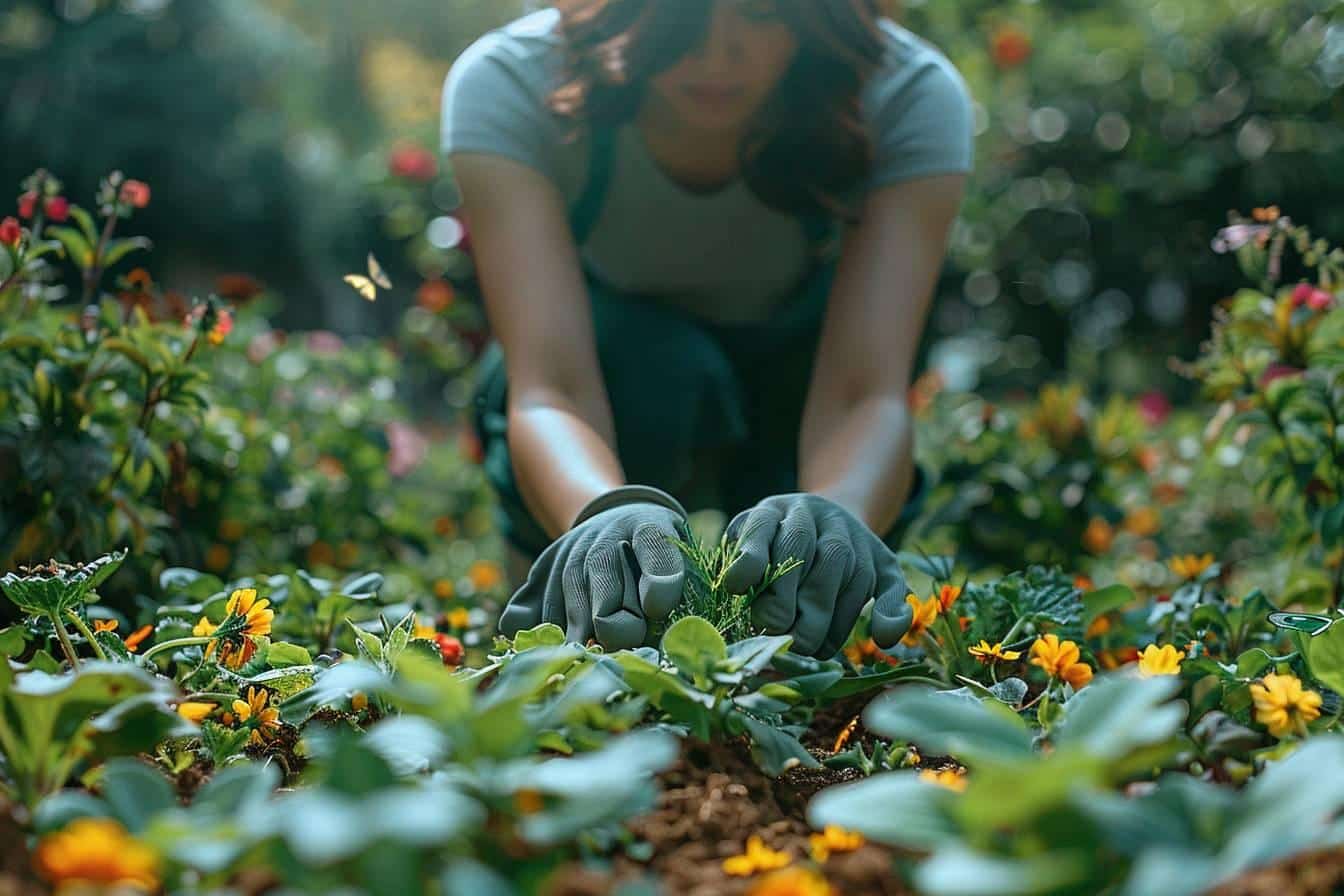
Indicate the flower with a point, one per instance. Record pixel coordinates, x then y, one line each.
832 838
257 709
134 193
450 649
987 654
1117 657
1009 46
245 618
1098 627
27 205
359 701
1282 705
845 734
1189 566
194 711
1060 660
10 232
1164 660
1319 300
867 650
459 618
485 575
443 589
222 328
1143 521
93 853
434 295
793 882
406 447
1098 535
951 778
947 596
758 857
137 637
1083 583
412 162
57 208
105 625
238 288
1154 407
925 614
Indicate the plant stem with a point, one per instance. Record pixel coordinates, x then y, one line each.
87 635
178 642
64 637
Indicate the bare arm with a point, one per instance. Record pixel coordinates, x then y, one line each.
561 436
857 440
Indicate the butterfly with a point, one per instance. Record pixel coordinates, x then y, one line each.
368 286
1309 623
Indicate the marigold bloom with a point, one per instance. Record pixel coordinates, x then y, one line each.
256 613
194 711
1143 521
485 575
434 295
94 854
527 801
864 651
443 589
1083 583
359 701
1190 566
987 653
1060 660
758 857
793 882
1164 660
257 707
947 596
1117 657
951 778
1282 705
832 838
245 618
1098 535
459 618
925 614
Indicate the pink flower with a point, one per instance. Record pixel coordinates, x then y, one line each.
325 342
135 193
413 162
10 232
1154 408
1301 293
27 204
406 447
1319 300
57 208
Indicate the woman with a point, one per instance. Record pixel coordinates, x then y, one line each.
706 233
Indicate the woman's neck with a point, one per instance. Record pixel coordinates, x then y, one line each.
700 161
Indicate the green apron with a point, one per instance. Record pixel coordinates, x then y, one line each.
708 412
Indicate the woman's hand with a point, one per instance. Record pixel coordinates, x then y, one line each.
844 564
612 573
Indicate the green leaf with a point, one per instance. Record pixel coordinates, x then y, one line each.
548 634
775 750
283 654
13 640
79 249
366 643
1325 658
943 723
117 249
893 808
963 872
85 222
858 684
135 792
695 647
1104 600
1116 714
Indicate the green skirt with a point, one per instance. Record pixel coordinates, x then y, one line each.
710 413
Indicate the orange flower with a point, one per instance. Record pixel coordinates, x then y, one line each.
1100 626
257 709
195 712
105 625
947 596
485 575
793 882
137 637
443 589
96 855
1143 521
527 801
845 734
321 554
1009 46
867 650
1190 567
951 778
1083 583
245 618
925 614
758 857
1060 660
434 295
1098 535
832 838
217 558
135 193
1117 657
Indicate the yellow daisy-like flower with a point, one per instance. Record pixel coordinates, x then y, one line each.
257 613
925 615
832 838
1061 659
1282 705
987 653
194 711
245 618
1190 567
257 709
94 854
459 618
1164 660
204 629
951 778
758 857
793 882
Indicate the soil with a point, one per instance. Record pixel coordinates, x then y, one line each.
17 875
1317 873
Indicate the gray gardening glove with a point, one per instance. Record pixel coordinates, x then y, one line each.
613 572
844 564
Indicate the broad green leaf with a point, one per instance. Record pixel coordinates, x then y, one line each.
1325 658
1104 600
695 647
1117 713
894 808
939 723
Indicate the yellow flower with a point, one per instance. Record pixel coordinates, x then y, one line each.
951 778
195 712
257 707
459 618
1282 705
204 629
423 631
1190 567
443 589
793 882
1143 521
1164 660
925 614
257 613
105 625
359 701
1098 627
947 596
832 838
1060 660
96 853
987 654
758 857
245 617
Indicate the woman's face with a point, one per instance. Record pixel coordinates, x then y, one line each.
719 85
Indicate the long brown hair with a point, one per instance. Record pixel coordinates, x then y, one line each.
808 146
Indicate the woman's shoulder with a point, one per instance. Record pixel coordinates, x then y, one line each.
529 51
912 63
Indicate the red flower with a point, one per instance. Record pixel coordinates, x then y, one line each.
1154 407
135 193
1319 300
57 208
434 295
450 649
412 162
27 204
1301 293
10 232
1010 46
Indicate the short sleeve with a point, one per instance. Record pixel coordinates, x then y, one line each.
923 122
495 101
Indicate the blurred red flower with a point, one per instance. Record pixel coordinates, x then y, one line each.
1154 407
57 208
1010 46
10 231
413 162
135 193
27 204
434 295
450 649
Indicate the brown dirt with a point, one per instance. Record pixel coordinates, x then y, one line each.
17 875
1317 873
